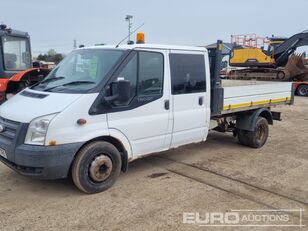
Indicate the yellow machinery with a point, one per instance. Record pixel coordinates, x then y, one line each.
276 62
251 56
242 56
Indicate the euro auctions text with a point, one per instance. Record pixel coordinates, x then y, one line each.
249 217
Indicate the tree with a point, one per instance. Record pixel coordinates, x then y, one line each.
51 56
51 52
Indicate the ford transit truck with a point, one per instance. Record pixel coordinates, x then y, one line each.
105 106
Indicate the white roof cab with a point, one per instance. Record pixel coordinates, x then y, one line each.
105 106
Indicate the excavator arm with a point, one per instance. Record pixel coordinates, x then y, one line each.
285 49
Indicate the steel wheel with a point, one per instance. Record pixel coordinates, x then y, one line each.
302 90
96 167
100 168
260 133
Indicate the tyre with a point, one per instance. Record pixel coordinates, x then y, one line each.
258 137
242 137
302 90
96 167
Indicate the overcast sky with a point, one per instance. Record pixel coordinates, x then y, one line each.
56 23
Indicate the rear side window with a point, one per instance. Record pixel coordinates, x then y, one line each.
187 73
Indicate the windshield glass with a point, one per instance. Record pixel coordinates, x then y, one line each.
81 70
16 53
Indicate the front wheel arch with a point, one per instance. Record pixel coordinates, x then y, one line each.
115 142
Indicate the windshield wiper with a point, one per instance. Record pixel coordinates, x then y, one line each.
52 79
78 82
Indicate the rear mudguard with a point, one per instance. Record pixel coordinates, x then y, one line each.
248 121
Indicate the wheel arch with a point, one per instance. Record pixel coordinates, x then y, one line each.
120 145
247 121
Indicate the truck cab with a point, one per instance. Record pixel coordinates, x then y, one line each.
105 106
15 52
16 69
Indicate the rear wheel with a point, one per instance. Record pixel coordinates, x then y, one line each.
256 138
302 90
96 167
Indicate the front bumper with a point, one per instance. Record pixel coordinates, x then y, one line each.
43 162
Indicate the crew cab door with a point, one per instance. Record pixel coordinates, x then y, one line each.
189 97
144 119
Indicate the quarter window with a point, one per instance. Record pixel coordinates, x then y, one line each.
187 73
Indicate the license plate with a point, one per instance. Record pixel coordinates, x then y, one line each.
2 153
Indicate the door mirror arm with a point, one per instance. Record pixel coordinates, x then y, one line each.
111 99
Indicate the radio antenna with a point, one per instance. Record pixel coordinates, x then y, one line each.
129 34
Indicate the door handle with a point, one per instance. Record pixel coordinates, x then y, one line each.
201 100
167 104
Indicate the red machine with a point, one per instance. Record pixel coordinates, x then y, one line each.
16 69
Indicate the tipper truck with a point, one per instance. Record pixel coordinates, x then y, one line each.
105 106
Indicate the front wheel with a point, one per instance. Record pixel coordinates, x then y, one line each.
96 167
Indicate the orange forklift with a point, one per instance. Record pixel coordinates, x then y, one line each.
16 68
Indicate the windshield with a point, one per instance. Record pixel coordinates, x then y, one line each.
81 70
16 53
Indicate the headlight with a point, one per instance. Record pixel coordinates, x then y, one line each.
37 130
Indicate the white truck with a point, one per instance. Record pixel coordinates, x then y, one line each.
105 106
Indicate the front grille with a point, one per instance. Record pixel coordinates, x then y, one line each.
9 131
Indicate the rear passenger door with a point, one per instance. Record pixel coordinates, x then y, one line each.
189 98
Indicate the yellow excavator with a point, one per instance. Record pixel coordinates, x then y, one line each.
277 62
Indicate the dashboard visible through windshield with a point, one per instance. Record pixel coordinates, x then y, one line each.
80 71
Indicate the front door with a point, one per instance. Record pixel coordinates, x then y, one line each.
145 119
189 98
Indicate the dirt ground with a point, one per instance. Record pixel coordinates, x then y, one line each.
215 176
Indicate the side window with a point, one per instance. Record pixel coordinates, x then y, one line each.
147 70
187 73
151 70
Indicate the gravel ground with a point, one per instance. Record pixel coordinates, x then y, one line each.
215 176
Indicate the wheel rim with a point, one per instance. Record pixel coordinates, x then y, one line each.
261 132
100 168
303 91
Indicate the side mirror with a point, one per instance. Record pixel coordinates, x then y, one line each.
123 92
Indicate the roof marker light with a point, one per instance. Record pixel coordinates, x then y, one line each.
140 38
